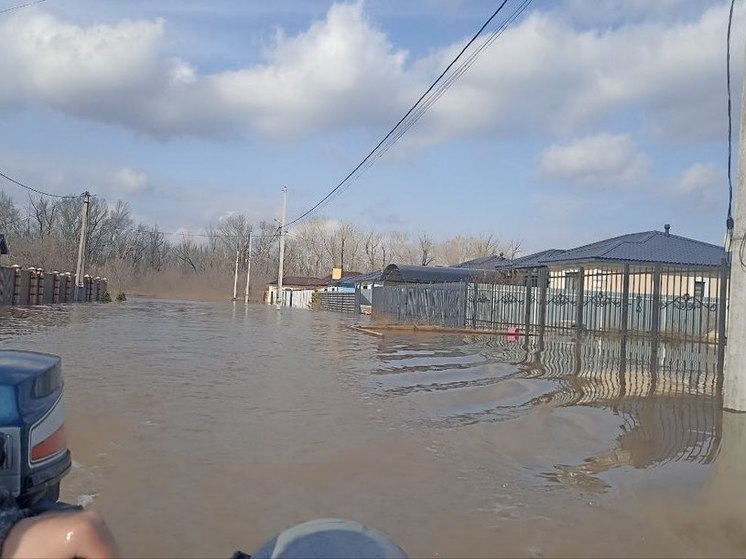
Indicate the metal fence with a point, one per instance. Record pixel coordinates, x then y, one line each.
440 304
662 302
338 302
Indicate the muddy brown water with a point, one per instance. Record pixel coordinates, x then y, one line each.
201 428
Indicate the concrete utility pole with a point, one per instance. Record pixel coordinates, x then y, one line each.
235 276
248 271
282 245
82 246
734 383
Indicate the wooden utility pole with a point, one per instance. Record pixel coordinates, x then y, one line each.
235 276
282 245
734 383
82 245
248 271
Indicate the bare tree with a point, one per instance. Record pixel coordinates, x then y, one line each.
43 212
10 220
426 249
374 251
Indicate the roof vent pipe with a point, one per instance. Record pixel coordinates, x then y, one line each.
667 227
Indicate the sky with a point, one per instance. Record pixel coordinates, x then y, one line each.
583 120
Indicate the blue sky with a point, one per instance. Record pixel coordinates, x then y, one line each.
585 119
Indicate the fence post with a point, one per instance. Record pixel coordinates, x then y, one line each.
543 288
625 301
722 320
33 285
655 315
39 286
474 308
579 307
68 288
527 315
624 328
17 285
55 287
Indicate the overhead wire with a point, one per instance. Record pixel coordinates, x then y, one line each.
32 189
729 219
406 116
26 5
417 115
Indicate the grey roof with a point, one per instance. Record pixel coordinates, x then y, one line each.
429 274
499 262
484 262
531 260
3 244
363 278
648 247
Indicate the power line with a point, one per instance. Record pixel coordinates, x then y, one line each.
27 187
203 235
415 117
729 219
400 122
6 10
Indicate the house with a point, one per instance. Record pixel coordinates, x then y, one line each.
362 285
340 281
296 291
685 266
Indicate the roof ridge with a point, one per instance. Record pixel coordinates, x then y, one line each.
690 239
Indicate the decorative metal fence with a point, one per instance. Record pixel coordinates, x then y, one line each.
662 302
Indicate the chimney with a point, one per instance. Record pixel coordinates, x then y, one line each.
667 227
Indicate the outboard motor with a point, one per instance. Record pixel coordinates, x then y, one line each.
33 451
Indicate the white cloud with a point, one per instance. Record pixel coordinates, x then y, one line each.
543 77
701 184
614 11
601 160
129 181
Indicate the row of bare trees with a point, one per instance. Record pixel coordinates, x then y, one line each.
46 234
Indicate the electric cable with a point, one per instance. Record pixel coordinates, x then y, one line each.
415 117
729 220
16 182
399 123
12 8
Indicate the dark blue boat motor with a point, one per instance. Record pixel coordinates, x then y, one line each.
33 451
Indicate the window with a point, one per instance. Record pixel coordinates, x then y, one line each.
699 288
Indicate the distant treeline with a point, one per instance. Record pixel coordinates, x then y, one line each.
45 233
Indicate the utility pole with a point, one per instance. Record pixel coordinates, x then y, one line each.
734 383
282 245
248 271
235 276
82 246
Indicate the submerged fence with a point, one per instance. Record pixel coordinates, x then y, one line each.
35 287
683 304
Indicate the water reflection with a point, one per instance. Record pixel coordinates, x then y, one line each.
666 398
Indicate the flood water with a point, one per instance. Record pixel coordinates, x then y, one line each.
201 428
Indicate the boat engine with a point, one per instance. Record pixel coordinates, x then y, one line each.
33 451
